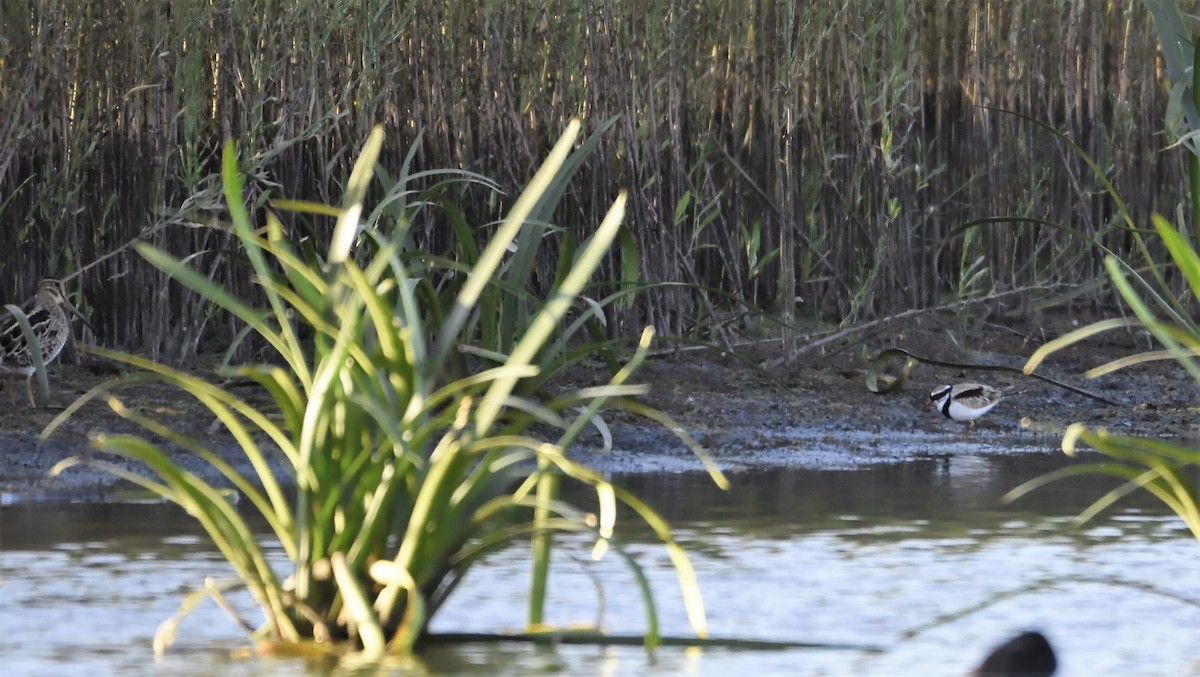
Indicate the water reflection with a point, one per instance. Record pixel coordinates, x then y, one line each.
944 494
837 556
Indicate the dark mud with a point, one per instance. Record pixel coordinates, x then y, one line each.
815 412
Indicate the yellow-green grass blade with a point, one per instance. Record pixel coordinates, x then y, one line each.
229 410
447 508
390 341
602 395
327 374
192 279
491 477
283 339
435 488
306 207
220 520
379 517
157 488
1152 480
546 492
346 229
492 539
1149 321
164 636
413 330
570 519
1130 361
278 382
492 255
606 498
1157 474
574 523
220 402
1189 341
693 601
419 410
519 411
307 281
1072 337
396 209
233 351
1118 448
102 388
1181 251
35 354
328 425
548 317
1139 448
281 523
201 500
319 319
397 319
1161 481
322 403
1049 478
391 576
590 393
683 435
358 608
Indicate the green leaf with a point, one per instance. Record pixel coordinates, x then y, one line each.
35 355
489 260
352 204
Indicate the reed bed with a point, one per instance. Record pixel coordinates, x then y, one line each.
807 159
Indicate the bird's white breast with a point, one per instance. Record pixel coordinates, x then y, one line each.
961 412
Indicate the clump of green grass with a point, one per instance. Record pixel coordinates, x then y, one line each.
407 467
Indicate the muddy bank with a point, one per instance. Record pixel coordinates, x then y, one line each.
813 413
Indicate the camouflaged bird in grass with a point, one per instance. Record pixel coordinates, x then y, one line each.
51 328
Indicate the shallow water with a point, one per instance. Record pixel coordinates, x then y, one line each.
849 557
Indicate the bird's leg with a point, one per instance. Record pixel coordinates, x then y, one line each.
29 390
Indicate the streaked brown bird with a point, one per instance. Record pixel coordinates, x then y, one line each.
50 326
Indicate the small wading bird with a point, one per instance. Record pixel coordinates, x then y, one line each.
965 401
50 326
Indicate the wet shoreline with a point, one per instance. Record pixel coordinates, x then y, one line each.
813 414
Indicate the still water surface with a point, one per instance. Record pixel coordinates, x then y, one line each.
848 557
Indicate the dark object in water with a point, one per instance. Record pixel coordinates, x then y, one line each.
1027 655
